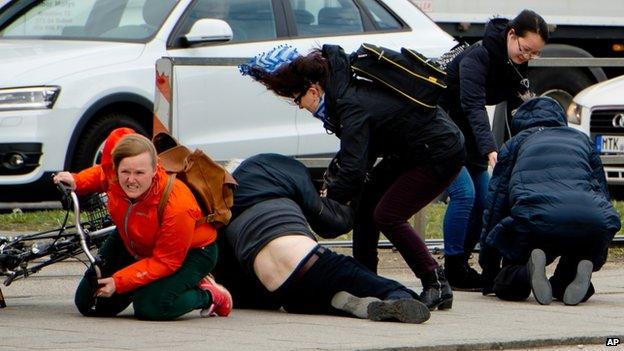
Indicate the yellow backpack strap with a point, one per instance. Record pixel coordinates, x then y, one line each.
165 196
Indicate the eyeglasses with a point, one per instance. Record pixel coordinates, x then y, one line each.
526 53
297 99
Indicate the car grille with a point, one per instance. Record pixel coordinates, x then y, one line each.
601 122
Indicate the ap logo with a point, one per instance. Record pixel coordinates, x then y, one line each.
612 342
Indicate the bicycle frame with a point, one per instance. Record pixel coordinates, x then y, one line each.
23 255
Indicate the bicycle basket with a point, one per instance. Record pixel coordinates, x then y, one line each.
96 212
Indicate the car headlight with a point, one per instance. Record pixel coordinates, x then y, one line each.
29 98
575 112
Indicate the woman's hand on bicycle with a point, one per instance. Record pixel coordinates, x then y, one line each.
106 287
65 178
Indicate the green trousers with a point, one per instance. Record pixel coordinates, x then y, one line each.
163 299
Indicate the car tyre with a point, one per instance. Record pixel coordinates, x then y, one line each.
562 84
92 139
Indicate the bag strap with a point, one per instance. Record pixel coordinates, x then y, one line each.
206 219
165 196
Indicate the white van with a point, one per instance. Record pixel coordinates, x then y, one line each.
73 70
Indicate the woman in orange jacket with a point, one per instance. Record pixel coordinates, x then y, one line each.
160 265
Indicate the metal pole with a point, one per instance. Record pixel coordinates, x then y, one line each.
433 244
2 302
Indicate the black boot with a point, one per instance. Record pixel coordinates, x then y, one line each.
436 292
460 275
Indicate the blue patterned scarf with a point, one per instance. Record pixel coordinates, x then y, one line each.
321 111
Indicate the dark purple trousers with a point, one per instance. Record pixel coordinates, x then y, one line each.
390 197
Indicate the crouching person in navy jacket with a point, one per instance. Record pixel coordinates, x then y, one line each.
548 198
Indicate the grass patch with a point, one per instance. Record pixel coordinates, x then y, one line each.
42 220
616 254
31 221
619 207
435 219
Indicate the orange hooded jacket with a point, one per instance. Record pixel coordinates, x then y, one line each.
159 248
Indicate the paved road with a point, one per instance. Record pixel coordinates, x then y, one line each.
41 316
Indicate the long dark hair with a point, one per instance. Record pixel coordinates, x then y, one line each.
529 21
296 77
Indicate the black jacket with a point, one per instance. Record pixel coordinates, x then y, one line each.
265 177
372 122
548 184
272 176
479 76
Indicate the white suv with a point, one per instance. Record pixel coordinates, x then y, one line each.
73 70
598 111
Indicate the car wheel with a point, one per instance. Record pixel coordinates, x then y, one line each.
561 84
89 147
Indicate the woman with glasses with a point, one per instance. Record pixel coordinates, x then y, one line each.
421 152
486 73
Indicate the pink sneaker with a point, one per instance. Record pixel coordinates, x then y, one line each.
221 298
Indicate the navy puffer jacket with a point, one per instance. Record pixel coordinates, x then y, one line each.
548 183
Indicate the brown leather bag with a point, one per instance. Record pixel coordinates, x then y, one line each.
212 185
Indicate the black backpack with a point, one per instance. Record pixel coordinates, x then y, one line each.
408 73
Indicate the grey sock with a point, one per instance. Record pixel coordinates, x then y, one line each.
357 306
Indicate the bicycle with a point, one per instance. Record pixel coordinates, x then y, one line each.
24 255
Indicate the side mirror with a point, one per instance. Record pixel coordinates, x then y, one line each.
209 30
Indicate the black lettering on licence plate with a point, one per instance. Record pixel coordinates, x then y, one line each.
610 144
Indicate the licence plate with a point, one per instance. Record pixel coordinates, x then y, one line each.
609 144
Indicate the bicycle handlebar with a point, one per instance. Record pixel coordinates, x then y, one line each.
69 193
83 236
64 188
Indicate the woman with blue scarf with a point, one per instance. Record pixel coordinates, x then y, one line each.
421 152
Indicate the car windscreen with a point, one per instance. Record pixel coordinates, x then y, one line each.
114 20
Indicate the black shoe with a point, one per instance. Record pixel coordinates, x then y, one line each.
460 275
577 289
437 292
542 291
403 310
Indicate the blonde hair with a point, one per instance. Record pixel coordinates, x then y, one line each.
132 145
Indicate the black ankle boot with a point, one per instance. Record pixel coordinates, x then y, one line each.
460 275
436 292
